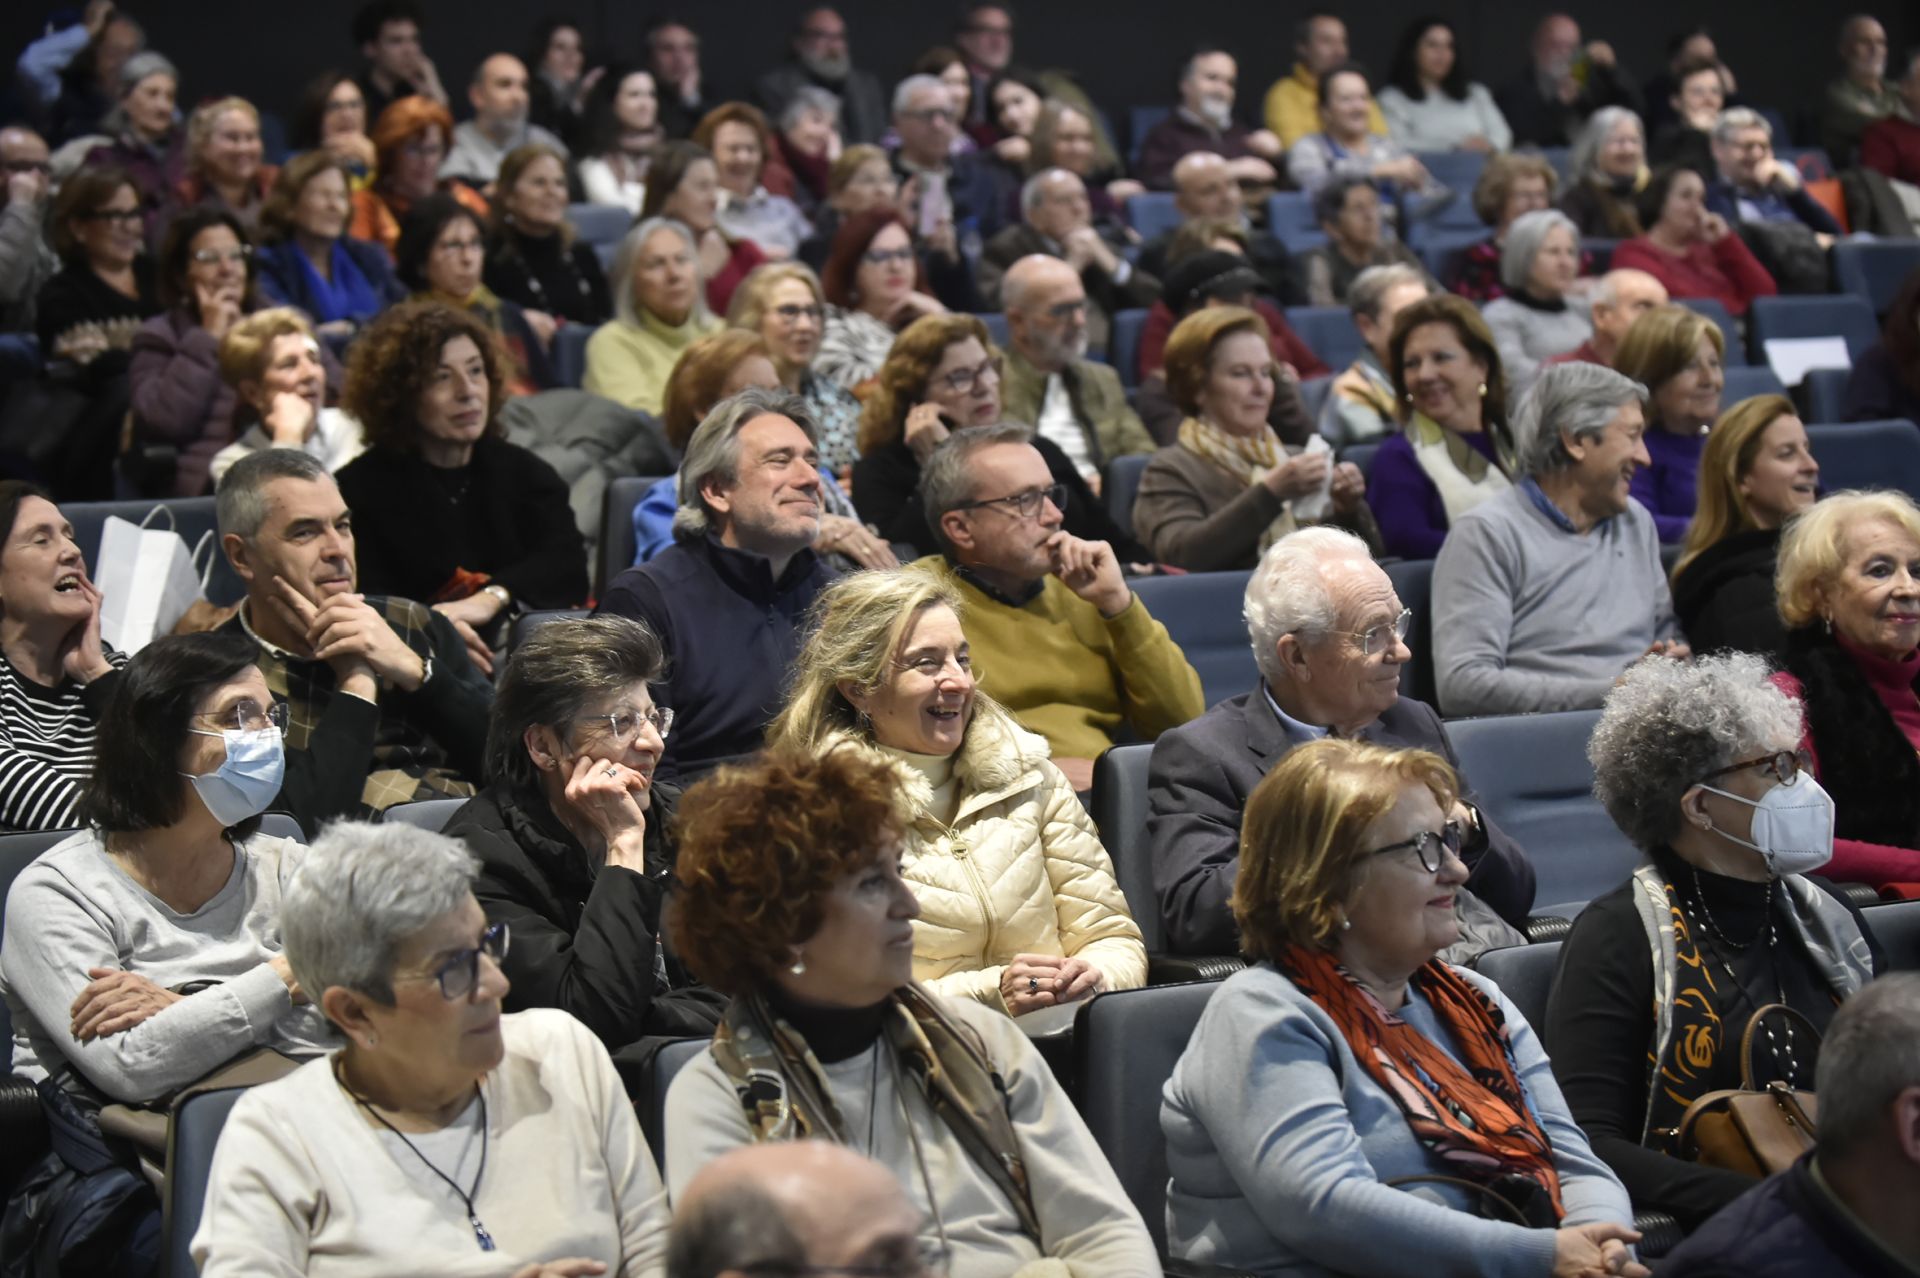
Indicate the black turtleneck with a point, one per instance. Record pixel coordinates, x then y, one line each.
833 1033
542 273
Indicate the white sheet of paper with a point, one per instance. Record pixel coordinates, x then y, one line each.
1792 357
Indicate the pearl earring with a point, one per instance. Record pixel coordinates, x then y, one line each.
1346 925
1483 390
799 967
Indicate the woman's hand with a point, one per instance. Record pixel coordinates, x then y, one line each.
289 419
85 658
912 307
1349 488
1299 476
1013 151
925 430
601 793
1078 979
1030 982
1120 190
355 150
543 326
284 970
219 307
116 1001
1596 1251
840 535
1714 228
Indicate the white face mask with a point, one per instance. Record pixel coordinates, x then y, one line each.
1792 825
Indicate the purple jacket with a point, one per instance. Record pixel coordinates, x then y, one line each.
1668 488
1412 519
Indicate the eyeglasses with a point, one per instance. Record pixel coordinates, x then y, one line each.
214 257
246 716
927 115
460 974
793 314
111 215
929 666
1782 765
963 380
457 246
1432 849
927 1258
1026 505
884 257
624 725
1374 640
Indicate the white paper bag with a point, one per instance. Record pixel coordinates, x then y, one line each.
147 579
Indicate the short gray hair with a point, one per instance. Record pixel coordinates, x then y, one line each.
1586 147
1369 289
553 675
141 65
732 1227
903 92
240 503
1524 239
362 890
1031 191
626 307
810 97
1870 1055
714 450
946 483
1667 724
1576 399
1288 594
1734 119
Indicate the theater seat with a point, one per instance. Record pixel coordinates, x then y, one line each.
996 327
1824 394
1122 486
569 357
1524 974
191 1137
1201 610
528 622
1839 315
1533 779
1875 269
1128 325
1313 393
1736 353
1290 220
1361 455
1896 925
1746 382
424 814
652 1109
599 224
617 546
1867 455
1328 332
1152 213
1413 582
193 517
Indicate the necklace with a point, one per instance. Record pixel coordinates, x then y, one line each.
465 1196
1766 925
1785 1058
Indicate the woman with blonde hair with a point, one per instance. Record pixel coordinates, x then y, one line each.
1756 472
783 303
1675 353
223 161
1228 488
1019 908
274 364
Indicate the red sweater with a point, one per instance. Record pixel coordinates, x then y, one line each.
1892 147
1725 270
1287 346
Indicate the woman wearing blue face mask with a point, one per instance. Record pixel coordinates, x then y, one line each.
144 952
1696 762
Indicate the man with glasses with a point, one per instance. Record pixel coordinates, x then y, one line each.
1071 400
1065 644
1753 185
819 57
385 705
1330 637
26 261
926 125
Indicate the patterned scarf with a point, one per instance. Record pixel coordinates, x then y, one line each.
1247 458
1473 1115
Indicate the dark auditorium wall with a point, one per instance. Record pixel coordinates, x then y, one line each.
1124 50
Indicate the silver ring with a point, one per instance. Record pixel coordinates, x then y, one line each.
612 771
1033 985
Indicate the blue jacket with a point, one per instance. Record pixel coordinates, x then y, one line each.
1724 200
1785 1227
285 282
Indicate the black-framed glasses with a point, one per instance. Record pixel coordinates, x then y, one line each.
1431 848
793 314
1028 504
112 215
622 726
962 380
1782 765
459 975
928 1259
1375 639
248 716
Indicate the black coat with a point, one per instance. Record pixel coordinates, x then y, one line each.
1724 598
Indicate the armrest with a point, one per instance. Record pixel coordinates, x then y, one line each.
1659 1233
1858 895
23 1130
1174 1267
1548 927
1177 969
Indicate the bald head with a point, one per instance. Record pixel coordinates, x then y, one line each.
1555 42
1046 309
1620 298
1863 47
499 93
1204 186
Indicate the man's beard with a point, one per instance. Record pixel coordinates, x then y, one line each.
833 69
1216 111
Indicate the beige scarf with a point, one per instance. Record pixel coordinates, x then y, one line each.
1247 458
1459 472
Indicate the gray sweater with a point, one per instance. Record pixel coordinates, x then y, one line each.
1279 1144
1528 336
1528 616
74 908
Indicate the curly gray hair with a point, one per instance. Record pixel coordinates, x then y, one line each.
1667 724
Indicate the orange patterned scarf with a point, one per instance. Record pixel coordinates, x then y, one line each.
1472 1114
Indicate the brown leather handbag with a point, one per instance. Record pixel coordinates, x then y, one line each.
1755 1130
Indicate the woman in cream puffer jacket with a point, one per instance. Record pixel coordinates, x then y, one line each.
1019 907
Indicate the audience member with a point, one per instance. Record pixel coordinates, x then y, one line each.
271 360
498 94
1227 488
1429 102
683 184
1675 353
1640 1021
445 510
1534 319
533 256
1615 302
1842 1211
783 303
441 257
1361 405
1064 137
223 168
1885 382
965 188
861 179
673 56
1861 96
1019 906
1509 187
728 599
59 677
873 285
576 842
1691 249
1768 202
1891 145
170 885
333 118
1348 208
945 63
308 260
26 260
658 308
983 32
1203 121
388 35
1608 165
1543 594
1058 223
1685 48
1454 450
410 140
394 711
808 142
1062 640
1292 107
85 90
1756 473
1565 82
1686 137
819 58
1329 636
1015 98
737 137
622 132
1343 147
383 931
1848 595
560 83
1378 1060
1204 188
793 862
145 140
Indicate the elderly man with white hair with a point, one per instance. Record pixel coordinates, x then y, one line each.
1537 318
1545 593
1329 635
1058 222
1617 299
1754 185
924 121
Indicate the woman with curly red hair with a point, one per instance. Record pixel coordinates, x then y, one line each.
410 140
790 901
445 510
875 286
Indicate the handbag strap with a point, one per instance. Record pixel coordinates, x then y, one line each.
1487 1193
1795 1021
161 509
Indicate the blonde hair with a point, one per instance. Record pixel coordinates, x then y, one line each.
1732 445
1190 347
248 344
1813 549
1662 343
1301 852
902 380
851 161
749 306
205 116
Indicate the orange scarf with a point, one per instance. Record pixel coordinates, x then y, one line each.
1474 1116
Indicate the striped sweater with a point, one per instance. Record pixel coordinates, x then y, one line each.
46 746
